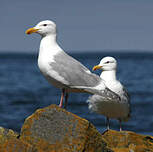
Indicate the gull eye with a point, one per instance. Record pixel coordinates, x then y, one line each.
44 24
107 62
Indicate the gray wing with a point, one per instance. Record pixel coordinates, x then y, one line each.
96 101
111 95
79 77
127 96
73 71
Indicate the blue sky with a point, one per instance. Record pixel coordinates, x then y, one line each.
82 24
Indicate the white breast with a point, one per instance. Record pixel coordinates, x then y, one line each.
47 52
115 86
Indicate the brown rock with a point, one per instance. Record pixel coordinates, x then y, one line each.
10 143
127 141
53 129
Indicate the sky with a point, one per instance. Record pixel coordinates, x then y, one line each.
82 25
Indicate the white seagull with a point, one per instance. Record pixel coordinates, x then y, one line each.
117 109
63 71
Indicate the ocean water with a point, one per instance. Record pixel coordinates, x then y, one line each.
23 89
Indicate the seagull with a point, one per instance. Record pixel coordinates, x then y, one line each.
63 71
113 108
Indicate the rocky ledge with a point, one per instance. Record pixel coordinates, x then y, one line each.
53 129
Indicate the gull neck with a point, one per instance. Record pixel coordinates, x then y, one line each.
48 42
108 75
51 38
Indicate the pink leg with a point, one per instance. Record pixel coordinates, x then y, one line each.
62 97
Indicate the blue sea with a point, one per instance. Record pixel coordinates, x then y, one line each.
23 89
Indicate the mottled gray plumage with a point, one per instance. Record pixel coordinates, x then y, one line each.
112 108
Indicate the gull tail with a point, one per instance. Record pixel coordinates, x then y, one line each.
106 93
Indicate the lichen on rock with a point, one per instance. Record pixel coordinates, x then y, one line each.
54 128
9 142
128 141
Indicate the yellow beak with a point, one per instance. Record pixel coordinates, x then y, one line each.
96 67
31 30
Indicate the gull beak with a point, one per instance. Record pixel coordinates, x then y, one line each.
31 30
96 67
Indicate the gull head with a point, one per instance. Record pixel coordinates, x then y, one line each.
106 64
43 28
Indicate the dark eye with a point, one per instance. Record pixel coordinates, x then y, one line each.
107 62
44 24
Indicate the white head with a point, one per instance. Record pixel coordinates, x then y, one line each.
106 64
43 28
